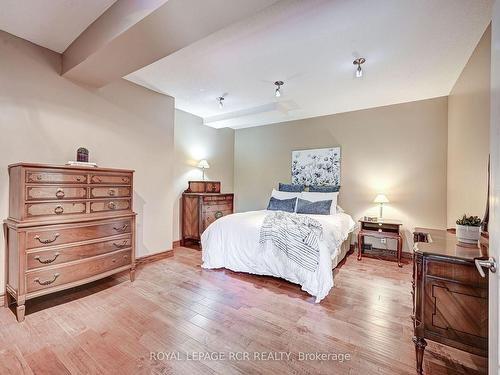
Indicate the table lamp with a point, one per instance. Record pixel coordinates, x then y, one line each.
203 164
381 199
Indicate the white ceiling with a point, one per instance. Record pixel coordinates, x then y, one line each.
53 24
414 49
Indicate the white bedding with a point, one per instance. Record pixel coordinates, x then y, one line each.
232 242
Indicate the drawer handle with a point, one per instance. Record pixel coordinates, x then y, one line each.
60 193
48 261
122 229
120 245
124 179
78 178
39 178
59 210
218 214
37 237
111 192
47 282
111 205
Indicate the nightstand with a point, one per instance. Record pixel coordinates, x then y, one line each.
383 228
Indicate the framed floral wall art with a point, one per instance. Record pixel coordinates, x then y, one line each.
316 167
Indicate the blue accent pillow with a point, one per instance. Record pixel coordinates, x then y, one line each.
291 188
324 188
287 205
313 208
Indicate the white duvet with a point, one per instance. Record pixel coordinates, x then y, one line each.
232 242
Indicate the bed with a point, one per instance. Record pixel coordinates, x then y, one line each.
232 242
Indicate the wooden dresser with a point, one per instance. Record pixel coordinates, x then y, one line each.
67 226
450 296
202 204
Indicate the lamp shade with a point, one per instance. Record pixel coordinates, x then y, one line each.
203 164
381 198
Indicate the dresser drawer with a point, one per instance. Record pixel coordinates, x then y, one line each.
55 209
110 205
54 276
45 177
70 234
44 258
55 192
218 199
208 217
119 179
110 192
465 273
456 311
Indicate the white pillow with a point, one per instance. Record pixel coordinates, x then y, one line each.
317 196
286 195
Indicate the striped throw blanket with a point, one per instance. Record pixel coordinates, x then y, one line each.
296 236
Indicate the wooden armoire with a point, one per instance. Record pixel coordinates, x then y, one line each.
67 226
202 204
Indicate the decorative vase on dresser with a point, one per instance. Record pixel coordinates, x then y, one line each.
67 226
202 204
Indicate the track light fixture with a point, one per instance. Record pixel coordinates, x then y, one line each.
359 61
220 100
278 85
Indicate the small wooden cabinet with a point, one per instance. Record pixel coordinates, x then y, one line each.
380 229
450 298
202 204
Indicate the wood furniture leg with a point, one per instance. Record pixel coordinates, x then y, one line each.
360 245
7 300
420 345
132 274
20 309
400 251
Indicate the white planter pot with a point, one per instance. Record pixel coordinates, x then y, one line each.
468 234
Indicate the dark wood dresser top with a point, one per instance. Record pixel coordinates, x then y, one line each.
444 243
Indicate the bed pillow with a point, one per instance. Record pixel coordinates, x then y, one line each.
313 208
291 188
284 194
315 197
287 205
324 188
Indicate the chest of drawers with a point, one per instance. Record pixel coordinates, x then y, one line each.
201 208
450 298
67 226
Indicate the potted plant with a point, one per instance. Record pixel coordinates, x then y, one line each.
468 229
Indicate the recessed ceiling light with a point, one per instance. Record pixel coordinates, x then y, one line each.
220 100
359 61
278 85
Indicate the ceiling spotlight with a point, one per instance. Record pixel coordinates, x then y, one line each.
278 85
220 100
359 61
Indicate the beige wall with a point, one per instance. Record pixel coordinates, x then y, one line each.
399 150
468 135
44 118
193 142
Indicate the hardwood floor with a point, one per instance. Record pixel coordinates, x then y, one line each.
174 307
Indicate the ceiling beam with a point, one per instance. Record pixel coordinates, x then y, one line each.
132 34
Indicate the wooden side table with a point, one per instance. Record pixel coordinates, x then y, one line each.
381 229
